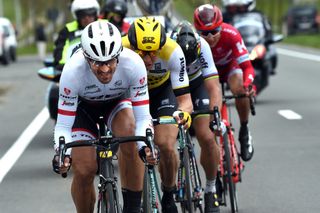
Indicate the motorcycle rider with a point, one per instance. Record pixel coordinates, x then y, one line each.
115 11
84 12
234 7
234 66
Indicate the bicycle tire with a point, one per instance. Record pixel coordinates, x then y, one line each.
187 205
146 201
228 174
109 202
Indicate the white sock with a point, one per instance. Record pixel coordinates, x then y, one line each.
210 186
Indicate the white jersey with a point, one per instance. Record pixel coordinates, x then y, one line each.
77 80
205 66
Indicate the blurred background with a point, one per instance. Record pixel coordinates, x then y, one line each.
24 14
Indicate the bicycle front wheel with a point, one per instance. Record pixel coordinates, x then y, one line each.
146 203
108 197
228 174
187 205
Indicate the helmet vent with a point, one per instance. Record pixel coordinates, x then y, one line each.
103 47
110 29
90 34
94 49
142 28
155 27
111 47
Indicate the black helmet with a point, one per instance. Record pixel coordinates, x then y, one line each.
115 6
188 39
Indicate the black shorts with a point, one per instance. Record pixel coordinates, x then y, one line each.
162 100
199 94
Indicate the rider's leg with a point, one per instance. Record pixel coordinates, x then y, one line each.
209 157
84 168
130 165
166 138
243 107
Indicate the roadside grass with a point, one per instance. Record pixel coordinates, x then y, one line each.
312 40
31 49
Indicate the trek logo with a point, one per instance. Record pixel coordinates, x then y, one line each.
149 40
66 91
182 69
142 80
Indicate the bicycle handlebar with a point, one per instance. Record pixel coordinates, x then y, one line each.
104 141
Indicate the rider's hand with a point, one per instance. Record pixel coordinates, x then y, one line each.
250 90
65 167
182 118
147 156
217 129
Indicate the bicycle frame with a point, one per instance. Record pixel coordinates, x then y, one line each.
108 199
190 196
236 163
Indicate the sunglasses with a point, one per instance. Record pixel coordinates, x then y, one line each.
109 63
212 32
142 53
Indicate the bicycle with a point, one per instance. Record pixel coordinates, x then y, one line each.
189 187
230 165
108 198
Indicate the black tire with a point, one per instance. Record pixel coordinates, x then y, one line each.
228 174
146 202
110 199
187 205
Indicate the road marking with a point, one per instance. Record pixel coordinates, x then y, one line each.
289 114
16 150
296 54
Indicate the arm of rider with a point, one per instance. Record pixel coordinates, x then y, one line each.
185 107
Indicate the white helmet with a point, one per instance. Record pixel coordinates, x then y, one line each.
251 4
233 2
101 41
84 5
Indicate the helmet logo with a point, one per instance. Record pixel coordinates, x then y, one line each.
149 40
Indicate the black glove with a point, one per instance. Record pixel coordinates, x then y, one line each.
142 153
55 163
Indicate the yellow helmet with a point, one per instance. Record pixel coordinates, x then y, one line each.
147 34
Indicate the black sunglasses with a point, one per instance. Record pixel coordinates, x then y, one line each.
212 32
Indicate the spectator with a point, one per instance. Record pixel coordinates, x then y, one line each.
41 40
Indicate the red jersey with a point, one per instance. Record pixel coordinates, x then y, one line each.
230 53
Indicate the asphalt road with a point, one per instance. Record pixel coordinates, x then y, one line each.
282 176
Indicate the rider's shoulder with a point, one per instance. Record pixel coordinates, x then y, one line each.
169 48
228 29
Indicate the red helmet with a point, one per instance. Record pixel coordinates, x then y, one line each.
207 17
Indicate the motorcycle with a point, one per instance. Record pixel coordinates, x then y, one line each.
52 95
262 52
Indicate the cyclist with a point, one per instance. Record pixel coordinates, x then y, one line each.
96 82
115 11
168 85
206 93
234 66
84 12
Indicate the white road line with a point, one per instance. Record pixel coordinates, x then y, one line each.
289 114
16 150
296 54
